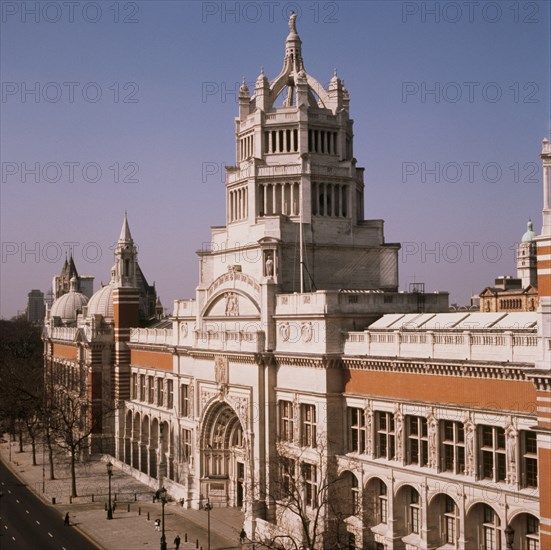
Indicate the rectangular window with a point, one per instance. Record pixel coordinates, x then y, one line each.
150 389
383 502
308 425
169 394
492 452
160 392
529 450
384 435
184 400
356 430
186 444
286 421
309 479
532 533
142 387
414 515
134 385
287 476
417 445
452 440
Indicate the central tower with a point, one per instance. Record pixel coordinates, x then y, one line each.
295 197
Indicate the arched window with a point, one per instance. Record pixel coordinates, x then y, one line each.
490 529
451 519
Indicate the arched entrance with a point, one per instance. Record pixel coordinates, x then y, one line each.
222 457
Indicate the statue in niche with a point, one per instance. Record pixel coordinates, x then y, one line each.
269 265
232 304
511 454
221 364
469 448
433 428
398 428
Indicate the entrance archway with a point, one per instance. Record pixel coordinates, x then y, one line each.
222 457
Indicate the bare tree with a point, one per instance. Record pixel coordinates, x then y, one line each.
73 424
303 494
21 374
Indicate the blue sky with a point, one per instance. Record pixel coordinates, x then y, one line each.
451 91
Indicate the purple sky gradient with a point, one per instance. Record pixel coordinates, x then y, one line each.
176 53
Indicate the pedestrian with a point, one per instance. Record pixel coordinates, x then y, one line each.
177 541
114 507
242 536
67 521
157 524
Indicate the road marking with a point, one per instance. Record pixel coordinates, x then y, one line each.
5 526
17 500
9 491
13 538
63 548
50 534
27 511
38 522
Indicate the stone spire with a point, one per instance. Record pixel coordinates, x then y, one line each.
125 235
126 257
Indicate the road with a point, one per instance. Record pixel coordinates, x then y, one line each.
26 523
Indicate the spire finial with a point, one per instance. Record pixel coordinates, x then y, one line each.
261 70
125 231
293 22
335 72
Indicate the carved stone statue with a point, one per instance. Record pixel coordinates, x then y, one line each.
307 331
232 304
269 265
368 412
511 454
433 452
293 22
398 431
284 331
469 448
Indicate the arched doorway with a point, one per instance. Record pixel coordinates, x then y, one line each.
222 457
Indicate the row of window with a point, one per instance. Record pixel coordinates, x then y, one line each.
329 199
292 485
159 391
453 446
154 390
281 141
307 432
421 448
68 376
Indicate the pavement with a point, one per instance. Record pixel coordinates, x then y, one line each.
132 526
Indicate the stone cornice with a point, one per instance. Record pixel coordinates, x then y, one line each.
312 361
479 369
541 379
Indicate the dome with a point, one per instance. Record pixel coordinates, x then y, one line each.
68 305
101 303
528 237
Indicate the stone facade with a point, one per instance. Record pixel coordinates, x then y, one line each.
300 384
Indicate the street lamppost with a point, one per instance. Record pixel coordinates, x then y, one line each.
208 508
509 537
109 474
43 460
162 496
